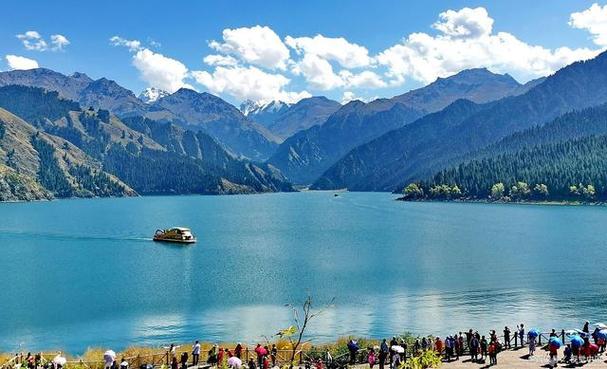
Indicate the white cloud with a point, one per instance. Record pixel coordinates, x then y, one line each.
132 45
59 42
223 60
256 45
160 71
155 69
249 82
19 62
348 96
347 54
594 20
466 40
364 79
465 23
32 40
318 73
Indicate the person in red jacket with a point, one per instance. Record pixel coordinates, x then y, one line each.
438 346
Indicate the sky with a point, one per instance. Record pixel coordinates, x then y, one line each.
288 50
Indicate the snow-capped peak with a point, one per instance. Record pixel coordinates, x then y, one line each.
250 107
151 94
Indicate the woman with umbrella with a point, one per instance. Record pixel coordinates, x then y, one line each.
576 344
398 350
553 345
108 358
531 340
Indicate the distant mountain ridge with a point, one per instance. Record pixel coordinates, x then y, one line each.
283 120
307 154
151 94
88 152
433 142
238 134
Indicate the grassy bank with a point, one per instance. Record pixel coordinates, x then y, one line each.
136 355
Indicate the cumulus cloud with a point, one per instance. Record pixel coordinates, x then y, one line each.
249 82
223 60
160 71
32 40
132 45
464 23
347 54
20 63
256 45
319 74
155 69
466 40
59 42
593 20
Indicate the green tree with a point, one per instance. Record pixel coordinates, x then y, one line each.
497 191
413 191
541 191
520 191
588 192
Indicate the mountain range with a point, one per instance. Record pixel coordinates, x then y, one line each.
66 136
187 108
307 154
51 147
436 141
283 120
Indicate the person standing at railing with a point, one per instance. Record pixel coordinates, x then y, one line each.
393 343
484 348
474 347
493 348
184 360
196 353
506 337
353 348
383 353
238 350
273 354
531 342
521 333
371 357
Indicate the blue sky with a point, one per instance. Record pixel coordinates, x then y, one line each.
288 49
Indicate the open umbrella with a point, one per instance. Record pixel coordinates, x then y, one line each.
398 349
555 342
602 334
234 362
601 326
59 360
533 333
576 341
109 356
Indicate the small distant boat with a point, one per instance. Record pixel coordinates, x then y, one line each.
175 234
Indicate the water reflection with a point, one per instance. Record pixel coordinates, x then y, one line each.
81 273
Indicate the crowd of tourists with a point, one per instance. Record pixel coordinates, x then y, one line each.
582 346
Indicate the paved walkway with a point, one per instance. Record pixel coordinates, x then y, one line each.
519 359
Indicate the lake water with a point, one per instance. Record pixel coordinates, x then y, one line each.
79 273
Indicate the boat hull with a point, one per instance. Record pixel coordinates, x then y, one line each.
158 239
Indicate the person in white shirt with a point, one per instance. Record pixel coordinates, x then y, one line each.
195 353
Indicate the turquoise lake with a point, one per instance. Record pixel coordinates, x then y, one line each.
80 273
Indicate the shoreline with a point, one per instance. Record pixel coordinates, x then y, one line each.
498 202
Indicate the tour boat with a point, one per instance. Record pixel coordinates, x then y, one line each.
175 234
